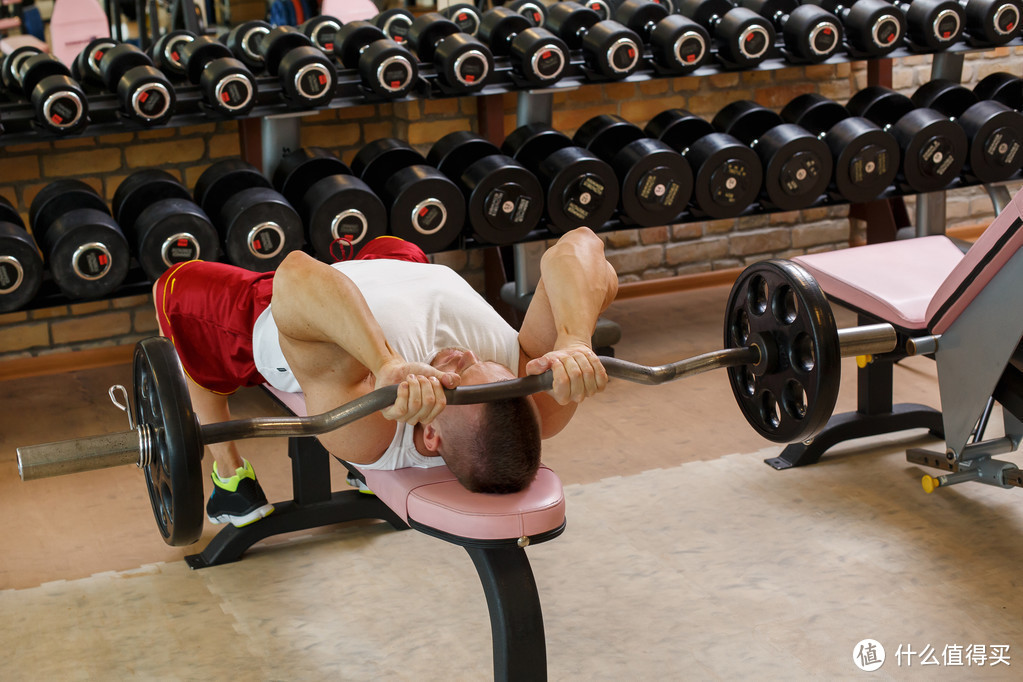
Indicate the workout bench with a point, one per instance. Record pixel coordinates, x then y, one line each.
493 529
957 308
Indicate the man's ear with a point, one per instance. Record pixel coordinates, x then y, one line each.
431 438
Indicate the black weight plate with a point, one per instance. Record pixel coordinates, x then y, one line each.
12 64
396 23
531 143
814 112
381 158
221 181
37 67
812 34
140 189
605 135
790 394
727 175
874 27
167 52
934 149
640 16
934 25
21 268
426 208
866 159
995 133
302 168
87 253
581 189
170 231
746 39
465 16
353 38
174 476
341 206
244 41
1002 87
456 151
59 197
656 182
797 167
260 229
504 200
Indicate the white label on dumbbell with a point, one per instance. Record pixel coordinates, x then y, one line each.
585 198
265 240
91 261
11 274
731 183
869 167
63 109
151 101
395 73
507 206
659 190
236 97
801 174
623 47
350 225
180 248
429 216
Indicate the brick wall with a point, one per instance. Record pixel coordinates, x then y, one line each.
638 254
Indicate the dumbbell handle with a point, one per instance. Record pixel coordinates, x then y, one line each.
98 452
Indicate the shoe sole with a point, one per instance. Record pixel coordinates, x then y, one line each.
242 521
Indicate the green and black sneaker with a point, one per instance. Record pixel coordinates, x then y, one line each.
238 500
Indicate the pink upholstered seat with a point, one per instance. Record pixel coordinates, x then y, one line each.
434 498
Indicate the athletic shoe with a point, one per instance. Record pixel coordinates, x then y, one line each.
358 483
239 500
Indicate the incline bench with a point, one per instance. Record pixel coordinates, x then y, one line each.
493 529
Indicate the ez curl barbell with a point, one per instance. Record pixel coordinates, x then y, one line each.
782 356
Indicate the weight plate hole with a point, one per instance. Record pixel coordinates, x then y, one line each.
794 400
741 329
770 413
801 353
786 306
749 381
758 295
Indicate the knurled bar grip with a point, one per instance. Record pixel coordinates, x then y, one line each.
98 452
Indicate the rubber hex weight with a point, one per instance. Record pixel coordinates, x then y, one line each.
385 67
257 225
504 200
144 92
84 248
538 56
678 44
865 157
581 188
743 37
810 34
797 165
21 267
610 50
933 148
334 204
162 223
655 181
424 206
307 76
463 63
994 131
727 174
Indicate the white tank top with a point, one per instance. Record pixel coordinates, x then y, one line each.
422 309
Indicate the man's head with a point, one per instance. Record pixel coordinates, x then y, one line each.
490 447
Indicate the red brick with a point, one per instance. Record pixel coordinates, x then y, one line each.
92 327
161 153
696 251
19 168
24 336
759 241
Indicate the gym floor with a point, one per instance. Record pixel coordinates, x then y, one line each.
95 525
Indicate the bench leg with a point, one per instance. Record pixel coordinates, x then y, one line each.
516 622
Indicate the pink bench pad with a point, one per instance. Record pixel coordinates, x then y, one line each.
433 497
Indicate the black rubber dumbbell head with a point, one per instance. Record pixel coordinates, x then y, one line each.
1001 87
538 56
222 180
59 103
21 267
810 34
504 200
245 42
167 50
258 228
610 49
396 23
534 11
300 169
341 207
678 45
462 62
992 22
144 92
85 68
12 66
933 24
465 16
226 83
322 31
386 68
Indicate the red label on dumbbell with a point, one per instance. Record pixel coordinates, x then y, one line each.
868 164
266 240
64 110
886 31
471 69
429 217
549 63
312 83
623 55
180 248
396 74
948 25
690 48
152 101
91 261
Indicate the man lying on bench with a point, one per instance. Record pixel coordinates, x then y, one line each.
336 332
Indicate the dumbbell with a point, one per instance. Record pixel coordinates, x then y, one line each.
424 206
538 56
167 55
1001 87
535 11
59 104
932 25
227 85
727 174
333 203
609 49
463 63
84 248
743 37
85 67
386 68
797 166
810 34
932 148
655 182
307 76
465 16
162 223
21 267
322 31
580 188
256 224
503 200
994 131
873 28
395 24
244 42
991 22
145 94
865 158
678 44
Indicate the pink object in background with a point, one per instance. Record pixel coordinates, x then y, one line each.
349 10
73 25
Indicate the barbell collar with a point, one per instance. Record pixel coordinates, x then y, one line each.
869 339
80 454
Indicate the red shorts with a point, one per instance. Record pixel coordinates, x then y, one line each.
208 311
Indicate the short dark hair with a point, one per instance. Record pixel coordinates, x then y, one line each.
503 454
